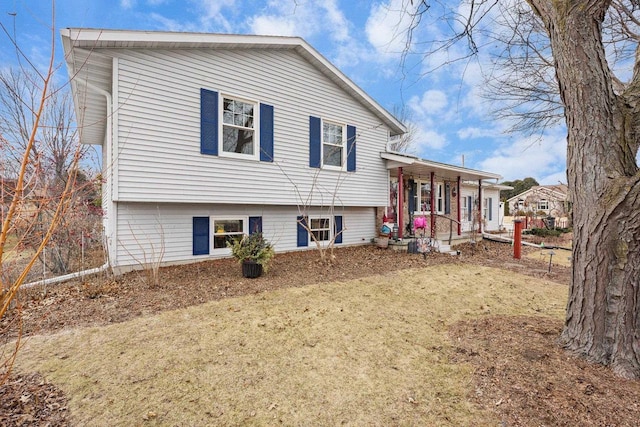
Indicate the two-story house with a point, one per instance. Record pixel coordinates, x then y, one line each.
205 137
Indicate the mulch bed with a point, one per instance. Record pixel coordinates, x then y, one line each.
505 351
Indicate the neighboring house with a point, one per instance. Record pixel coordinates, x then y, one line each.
206 137
541 200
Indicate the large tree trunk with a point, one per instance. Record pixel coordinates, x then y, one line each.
603 319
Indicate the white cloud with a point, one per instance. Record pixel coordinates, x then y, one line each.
432 102
427 140
212 17
304 19
543 158
387 26
127 4
339 28
473 132
272 25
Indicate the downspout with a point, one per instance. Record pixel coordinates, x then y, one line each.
400 206
432 218
458 203
109 161
106 265
69 276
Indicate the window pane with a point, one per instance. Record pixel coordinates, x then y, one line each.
332 133
228 226
321 235
317 223
425 197
220 242
236 140
225 230
237 113
332 155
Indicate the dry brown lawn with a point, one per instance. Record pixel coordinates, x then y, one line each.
376 339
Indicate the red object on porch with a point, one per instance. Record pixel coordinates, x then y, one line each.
517 238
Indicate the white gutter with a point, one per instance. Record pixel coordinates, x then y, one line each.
67 277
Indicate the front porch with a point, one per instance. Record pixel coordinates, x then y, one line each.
440 201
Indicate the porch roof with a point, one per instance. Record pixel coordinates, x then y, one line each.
418 168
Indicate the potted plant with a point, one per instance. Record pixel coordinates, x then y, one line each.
254 252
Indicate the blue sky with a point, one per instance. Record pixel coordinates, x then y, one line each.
364 39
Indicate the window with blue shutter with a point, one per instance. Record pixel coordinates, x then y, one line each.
303 236
351 148
332 145
315 143
470 205
338 228
208 122
200 235
447 198
266 133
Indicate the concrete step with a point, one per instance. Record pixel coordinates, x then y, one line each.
446 249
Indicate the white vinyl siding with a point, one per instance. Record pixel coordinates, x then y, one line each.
158 110
148 230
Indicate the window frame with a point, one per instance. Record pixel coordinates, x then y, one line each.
222 124
343 145
438 199
329 229
543 205
213 219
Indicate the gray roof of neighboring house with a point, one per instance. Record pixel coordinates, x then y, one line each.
559 191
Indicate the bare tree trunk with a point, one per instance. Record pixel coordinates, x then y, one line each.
603 318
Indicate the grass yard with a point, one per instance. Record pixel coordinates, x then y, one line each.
369 351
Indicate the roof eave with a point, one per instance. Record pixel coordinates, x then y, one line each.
417 164
91 38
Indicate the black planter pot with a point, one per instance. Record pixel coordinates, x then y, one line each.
251 269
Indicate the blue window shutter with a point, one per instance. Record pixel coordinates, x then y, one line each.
303 236
208 122
351 148
470 208
413 188
255 224
201 235
266 133
338 221
490 201
447 198
315 145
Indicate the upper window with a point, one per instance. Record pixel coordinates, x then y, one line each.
332 144
239 121
543 205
